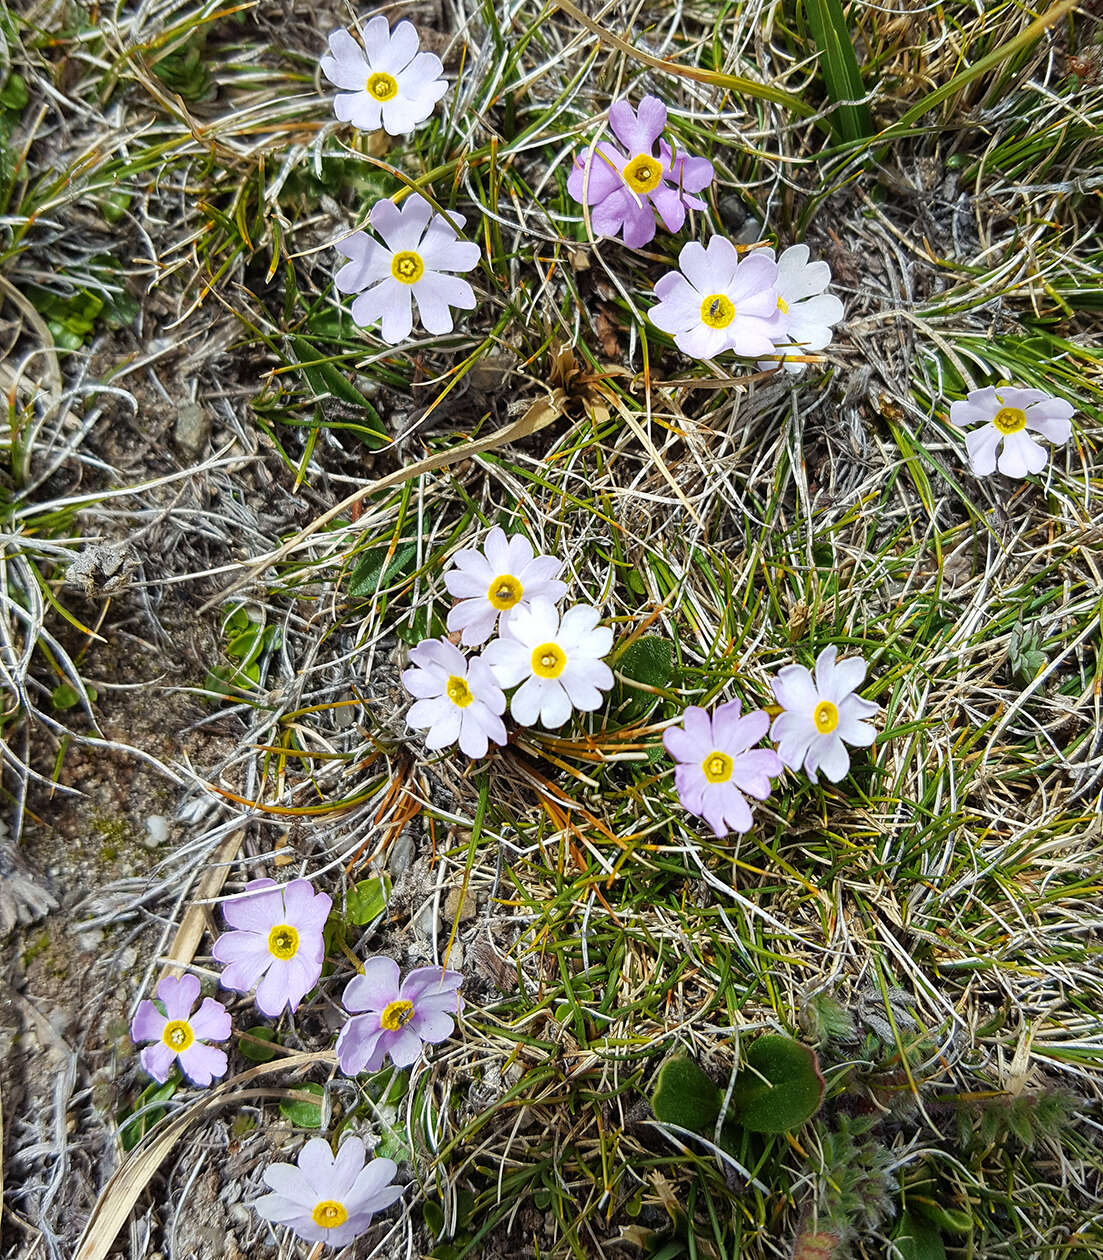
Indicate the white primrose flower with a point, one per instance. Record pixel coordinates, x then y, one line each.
808 311
718 302
392 84
558 663
820 713
420 249
492 583
1009 415
456 699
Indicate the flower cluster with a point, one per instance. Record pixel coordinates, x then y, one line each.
276 946
554 661
775 309
718 767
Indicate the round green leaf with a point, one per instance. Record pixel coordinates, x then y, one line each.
779 1086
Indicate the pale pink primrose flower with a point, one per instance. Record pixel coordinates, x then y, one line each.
626 188
397 1018
456 700
178 1035
327 1198
557 663
717 766
822 715
420 249
808 311
387 81
717 302
492 583
1009 415
276 945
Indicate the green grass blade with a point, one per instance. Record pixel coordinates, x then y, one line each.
841 76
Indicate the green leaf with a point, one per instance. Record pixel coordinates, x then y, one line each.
952 1219
66 696
254 1043
425 624
1024 655
686 1096
13 95
433 1216
328 381
373 570
839 67
134 1127
779 1086
307 1115
917 1239
367 900
649 660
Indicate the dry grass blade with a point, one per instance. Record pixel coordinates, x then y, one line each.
118 1197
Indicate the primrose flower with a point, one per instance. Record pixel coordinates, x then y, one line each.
717 302
1006 414
821 713
718 768
398 1017
328 1198
392 84
626 189
504 576
558 663
458 700
808 311
420 249
180 1035
278 937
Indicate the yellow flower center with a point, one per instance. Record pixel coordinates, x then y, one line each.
396 1015
329 1214
1010 420
505 591
717 310
407 267
718 767
283 942
783 306
826 717
382 85
643 173
548 660
458 691
178 1035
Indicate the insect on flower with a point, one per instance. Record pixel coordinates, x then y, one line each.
397 1018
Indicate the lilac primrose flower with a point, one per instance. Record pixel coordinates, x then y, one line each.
392 84
180 1035
808 311
715 768
420 249
626 189
398 1017
558 663
820 713
456 699
328 1198
1010 415
493 582
718 302
278 937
